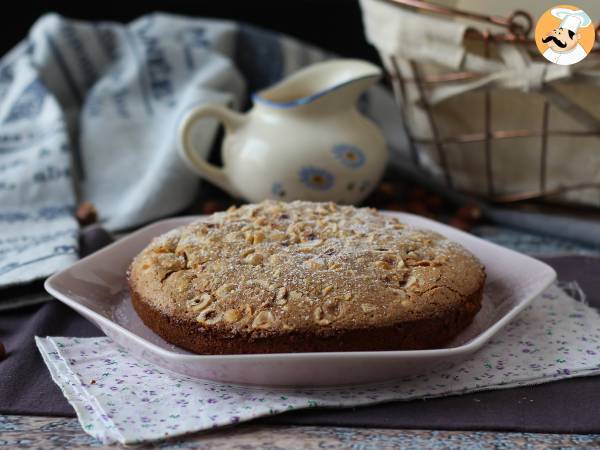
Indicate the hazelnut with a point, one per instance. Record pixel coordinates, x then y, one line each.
347 297
234 236
319 318
471 213
326 290
225 289
254 259
86 214
277 236
258 237
200 302
295 296
412 280
212 206
281 296
261 221
263 320
315 263
247 251
335 266
460 223
333 308
383 265
208 316
367 307
232 315
388 189
398 292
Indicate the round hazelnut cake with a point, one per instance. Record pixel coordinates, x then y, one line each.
302 277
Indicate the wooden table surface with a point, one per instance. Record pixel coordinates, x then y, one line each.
65 433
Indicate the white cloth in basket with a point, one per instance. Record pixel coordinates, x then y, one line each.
519 87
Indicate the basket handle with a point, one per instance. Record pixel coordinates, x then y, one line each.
510 22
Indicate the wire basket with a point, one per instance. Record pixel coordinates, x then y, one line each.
499 162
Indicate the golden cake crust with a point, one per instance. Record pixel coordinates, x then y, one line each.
301 276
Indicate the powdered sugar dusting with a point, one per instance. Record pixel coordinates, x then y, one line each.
302 265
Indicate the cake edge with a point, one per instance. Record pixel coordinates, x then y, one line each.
419 334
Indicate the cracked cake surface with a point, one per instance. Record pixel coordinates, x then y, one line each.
303 276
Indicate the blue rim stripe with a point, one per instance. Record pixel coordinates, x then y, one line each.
308 99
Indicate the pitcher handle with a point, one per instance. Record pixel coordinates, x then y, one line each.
230 119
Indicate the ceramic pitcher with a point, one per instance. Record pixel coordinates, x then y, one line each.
303 138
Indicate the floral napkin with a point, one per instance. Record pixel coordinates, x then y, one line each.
120 399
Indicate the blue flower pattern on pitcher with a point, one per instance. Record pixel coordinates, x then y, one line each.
349 155
277 190
316 178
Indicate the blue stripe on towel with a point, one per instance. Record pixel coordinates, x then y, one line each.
144 90
64 68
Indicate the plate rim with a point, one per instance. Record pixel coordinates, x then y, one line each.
471 346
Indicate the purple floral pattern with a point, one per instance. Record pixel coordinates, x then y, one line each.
120 399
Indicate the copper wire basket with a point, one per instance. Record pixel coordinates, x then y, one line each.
516 29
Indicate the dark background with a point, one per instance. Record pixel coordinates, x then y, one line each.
331 24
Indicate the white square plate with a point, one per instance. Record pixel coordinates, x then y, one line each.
96 287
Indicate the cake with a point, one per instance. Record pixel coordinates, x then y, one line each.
304 277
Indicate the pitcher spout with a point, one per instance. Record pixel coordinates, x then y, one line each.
330 84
